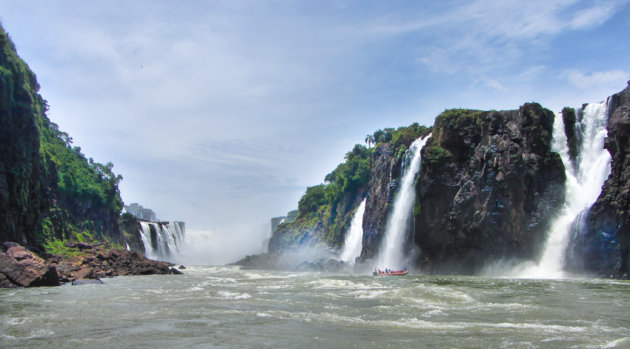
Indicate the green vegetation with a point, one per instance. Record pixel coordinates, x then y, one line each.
459 118
86 196
436 154
325 210
55 193
60 248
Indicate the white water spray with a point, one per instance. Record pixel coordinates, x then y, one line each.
162 241
391 251
354 238
583 186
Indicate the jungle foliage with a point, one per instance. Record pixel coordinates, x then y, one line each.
67 195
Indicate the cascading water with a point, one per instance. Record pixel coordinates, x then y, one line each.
583 185
162 241
391 250
354 237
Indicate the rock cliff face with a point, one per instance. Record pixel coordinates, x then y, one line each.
600 241
49 190
488 187
23 184
384 180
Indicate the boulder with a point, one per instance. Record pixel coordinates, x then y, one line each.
23 268
81 282
97 261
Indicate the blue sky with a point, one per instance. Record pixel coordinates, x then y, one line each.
220 113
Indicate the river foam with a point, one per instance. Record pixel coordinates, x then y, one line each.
230 307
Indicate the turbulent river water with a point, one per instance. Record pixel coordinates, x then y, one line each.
232 308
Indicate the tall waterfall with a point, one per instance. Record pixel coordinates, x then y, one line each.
163 240
583 185
391 250
354 237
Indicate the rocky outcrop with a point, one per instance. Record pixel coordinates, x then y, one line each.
569 119
488 187
90 261
130 232
20 267
384 180
600 241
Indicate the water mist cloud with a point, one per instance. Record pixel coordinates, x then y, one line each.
213 247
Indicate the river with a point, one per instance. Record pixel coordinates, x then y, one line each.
226 307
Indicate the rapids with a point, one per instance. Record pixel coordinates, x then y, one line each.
231 308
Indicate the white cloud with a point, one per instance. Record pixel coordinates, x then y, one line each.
485 35
592 17
612 78
491 83
439 60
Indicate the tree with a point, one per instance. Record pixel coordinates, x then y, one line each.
369 140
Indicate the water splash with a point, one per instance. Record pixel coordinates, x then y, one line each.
391 251
583 186
354 238
163 240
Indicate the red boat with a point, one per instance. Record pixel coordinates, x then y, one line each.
400 272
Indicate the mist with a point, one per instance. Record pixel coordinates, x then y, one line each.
219 247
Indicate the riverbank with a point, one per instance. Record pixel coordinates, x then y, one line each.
20 267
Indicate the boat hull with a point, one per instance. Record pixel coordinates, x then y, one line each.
391 273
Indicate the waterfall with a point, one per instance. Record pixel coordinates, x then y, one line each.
391 250
162 240
354 237
583 185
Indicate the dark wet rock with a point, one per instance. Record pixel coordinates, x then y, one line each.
600 242
98 261
327 265
382 187
488 188
23 268
5 282
182 267
569 119
259 261
81 282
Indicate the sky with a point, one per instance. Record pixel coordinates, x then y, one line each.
221 113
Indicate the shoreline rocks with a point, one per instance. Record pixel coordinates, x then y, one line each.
20 267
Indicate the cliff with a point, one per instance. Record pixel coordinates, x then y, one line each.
24 184
600 240
49 190
325 211
488 188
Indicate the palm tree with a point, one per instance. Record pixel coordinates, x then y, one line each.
369 140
